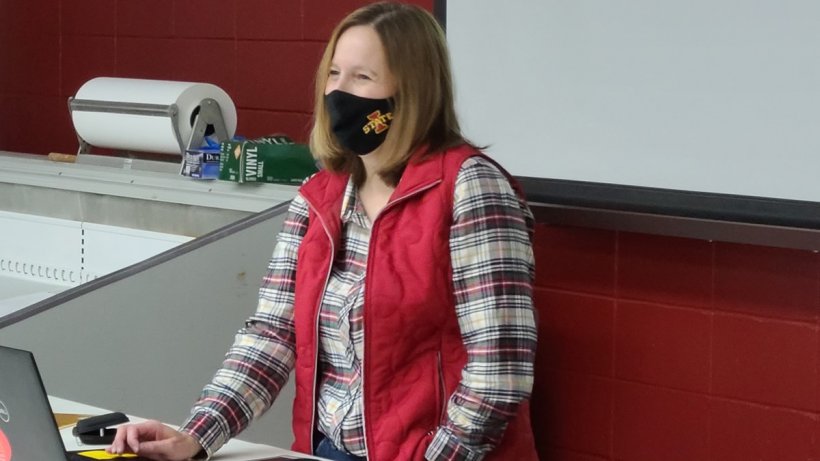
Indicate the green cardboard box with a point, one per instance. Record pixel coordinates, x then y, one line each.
262 161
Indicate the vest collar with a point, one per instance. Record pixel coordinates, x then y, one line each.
325 191
421 172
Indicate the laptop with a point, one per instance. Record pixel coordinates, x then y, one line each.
28 431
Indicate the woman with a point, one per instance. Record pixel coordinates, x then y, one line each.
400 286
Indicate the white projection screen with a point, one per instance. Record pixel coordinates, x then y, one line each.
713 96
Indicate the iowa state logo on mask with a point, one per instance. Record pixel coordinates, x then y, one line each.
359 124
377 122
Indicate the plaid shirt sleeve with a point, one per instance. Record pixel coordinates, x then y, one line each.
493 269
258 363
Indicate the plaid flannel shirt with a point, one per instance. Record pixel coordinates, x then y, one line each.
489 244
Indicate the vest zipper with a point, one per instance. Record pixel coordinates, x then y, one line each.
316 326
442 390
367 288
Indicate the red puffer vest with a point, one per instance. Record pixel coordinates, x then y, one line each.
413 354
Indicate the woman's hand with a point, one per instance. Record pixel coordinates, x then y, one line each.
154 440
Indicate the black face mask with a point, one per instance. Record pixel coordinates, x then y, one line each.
360 124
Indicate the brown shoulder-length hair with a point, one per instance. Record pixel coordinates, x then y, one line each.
424 115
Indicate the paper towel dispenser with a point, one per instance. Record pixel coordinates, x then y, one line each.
150 116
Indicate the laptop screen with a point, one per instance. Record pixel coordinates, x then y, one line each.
27 427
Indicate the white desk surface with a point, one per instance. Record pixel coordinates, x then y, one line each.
235 450
126 178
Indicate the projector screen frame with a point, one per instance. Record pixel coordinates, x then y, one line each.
767 221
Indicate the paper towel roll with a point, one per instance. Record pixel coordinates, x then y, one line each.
145 133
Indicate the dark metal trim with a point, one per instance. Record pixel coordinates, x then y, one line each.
676 226
675 203
440 12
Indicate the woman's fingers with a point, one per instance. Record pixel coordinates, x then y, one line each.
133 436
118 443
176 447
130 436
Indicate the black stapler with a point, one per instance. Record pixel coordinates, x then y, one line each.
96 430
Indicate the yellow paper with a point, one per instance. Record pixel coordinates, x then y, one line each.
102 454
67 419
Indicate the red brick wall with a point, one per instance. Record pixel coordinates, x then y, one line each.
651 348
262 52
661 349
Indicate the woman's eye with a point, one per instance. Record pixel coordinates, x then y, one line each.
333 72
363 77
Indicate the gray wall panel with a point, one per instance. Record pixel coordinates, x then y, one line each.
147 343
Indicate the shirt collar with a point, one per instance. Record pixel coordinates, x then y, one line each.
352 209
